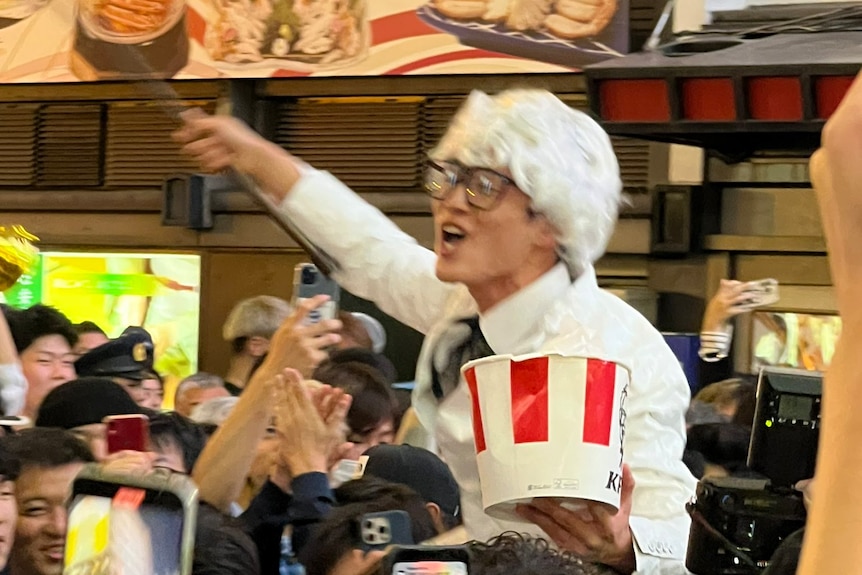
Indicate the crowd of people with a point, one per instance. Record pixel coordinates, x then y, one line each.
303 435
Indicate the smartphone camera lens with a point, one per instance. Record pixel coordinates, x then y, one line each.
309 275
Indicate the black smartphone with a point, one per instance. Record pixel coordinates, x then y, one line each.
380 530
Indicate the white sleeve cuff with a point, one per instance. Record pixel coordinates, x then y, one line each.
13 388
715 345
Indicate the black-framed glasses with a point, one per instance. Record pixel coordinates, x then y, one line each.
484 187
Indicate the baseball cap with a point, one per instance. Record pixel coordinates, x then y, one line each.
84 401
418 469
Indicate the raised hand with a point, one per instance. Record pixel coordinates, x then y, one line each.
300 345
310 422
725 304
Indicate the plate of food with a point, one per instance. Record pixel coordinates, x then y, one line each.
329 33
571 33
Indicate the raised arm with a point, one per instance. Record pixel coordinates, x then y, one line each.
835 522
378 261
13 384
221 470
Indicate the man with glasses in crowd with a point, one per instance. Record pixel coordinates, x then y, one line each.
525 194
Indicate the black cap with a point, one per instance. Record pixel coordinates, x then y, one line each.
84 401
418 469
129 356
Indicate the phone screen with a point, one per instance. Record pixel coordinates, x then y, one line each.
133 531
430 568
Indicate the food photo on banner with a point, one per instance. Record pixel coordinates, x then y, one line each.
92 40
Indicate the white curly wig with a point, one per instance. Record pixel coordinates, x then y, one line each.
558 156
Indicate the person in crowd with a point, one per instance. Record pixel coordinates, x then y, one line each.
81 405
49 460
353 333
375 330
13 384
515 554
310 423
424 473
90 336
196 389
177 442
355 354
214 411
128 361
9 470
221 473
731 399
330 549
525 194
249 327
371 418
44 339
716 332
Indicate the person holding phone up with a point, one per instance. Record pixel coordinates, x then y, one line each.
525 194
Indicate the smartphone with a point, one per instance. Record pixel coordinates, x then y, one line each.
427 560
308 282
761 293
131 523
380 530
127 433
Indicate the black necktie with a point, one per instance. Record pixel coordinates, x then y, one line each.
472 347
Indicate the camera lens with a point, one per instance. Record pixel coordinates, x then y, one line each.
308 275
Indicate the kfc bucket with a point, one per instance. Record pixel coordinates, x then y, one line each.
547 426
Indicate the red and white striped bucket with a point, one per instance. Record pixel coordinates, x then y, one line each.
547 426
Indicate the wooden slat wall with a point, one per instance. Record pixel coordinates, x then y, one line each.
18 144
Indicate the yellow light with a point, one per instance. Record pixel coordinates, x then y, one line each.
768 423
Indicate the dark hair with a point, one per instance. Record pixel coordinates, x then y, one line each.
256 365
238 344
172 429
391 496
373 401
30 324
746 403
376 360
511 553
338 533
353 328
45 447
221 545
88 327
10 467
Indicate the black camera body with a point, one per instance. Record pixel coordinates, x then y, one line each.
737 524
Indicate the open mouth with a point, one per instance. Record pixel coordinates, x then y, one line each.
452 234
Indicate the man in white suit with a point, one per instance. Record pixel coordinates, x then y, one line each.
525 194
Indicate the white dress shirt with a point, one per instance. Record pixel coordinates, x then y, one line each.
555 315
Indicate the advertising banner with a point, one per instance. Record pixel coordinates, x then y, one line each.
92 40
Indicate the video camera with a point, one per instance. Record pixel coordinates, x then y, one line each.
737 524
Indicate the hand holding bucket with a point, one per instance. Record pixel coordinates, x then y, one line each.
547 426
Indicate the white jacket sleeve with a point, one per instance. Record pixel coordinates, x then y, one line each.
653 446
377 260
13 388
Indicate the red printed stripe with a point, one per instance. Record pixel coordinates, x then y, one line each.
478 428
399 26
443 59
599 401
529 382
